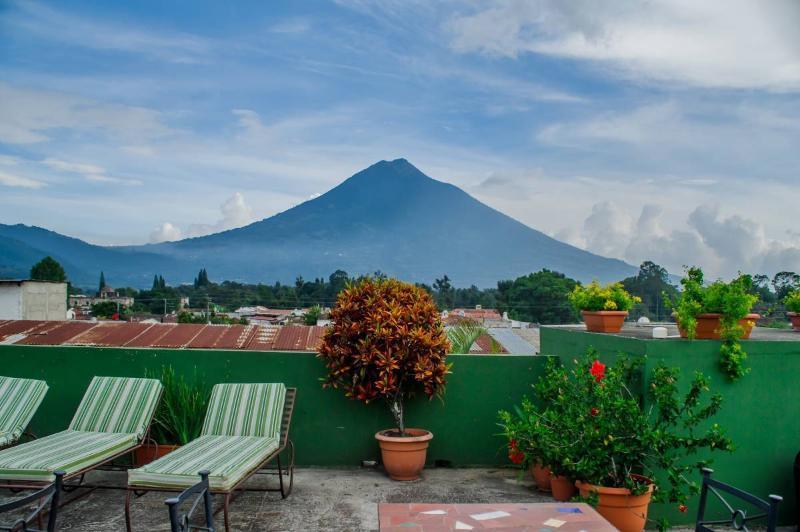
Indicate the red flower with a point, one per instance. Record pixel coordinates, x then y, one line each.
512 444
516 457
598 370
682 508
594 411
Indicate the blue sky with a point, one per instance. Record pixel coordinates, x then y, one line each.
660 130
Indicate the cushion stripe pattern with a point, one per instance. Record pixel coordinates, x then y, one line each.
117 405
245 410
69 450
228 458
19 399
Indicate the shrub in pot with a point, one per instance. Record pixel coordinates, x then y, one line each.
179 416
792 303
615 449
524 446
604 308
719 311
387 343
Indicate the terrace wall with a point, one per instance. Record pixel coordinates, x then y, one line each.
760 411
328 429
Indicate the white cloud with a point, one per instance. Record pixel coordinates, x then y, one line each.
713 43
235 213
90 172
12 180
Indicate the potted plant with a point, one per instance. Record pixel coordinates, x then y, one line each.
524 445
719 311
792 302
604 308
387 343
179 416
615 448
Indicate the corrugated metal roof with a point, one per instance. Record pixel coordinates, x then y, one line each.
514 343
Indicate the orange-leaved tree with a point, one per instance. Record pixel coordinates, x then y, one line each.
387 342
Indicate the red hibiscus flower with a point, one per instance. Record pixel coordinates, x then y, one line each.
682 508
598 370
593 412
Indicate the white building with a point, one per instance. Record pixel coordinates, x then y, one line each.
32 300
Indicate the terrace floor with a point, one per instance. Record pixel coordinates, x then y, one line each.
323 499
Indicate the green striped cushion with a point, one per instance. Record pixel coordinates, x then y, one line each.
227 458
117 404
245 410
69 450
19 399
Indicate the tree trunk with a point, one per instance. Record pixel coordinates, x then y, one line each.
396 406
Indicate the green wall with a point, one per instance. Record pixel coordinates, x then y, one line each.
760 411
328 429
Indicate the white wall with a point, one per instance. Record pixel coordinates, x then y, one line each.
10 302
44 301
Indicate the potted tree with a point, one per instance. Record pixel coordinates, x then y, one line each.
614 447
387 343
719 311
179 416
604 308
792 302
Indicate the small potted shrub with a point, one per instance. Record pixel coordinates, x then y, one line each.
719 311
524 442
601 436
792 302
179 416
604 308
387 343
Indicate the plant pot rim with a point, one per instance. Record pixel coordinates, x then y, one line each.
606 312
789 313
717 315
616 491
417 436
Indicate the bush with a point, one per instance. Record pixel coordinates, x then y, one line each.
594 297
387 342
792 301
182 409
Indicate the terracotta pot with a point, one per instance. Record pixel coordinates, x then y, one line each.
541 475
150 452
794 317
604 321
708 326
626 512
404 456
562 487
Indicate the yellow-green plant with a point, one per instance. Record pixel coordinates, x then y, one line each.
792 301
594 297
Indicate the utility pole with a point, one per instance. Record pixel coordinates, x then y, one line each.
208 310
165 306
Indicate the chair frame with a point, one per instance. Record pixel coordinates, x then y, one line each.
51 492
180 523
285 444
739 518
69 488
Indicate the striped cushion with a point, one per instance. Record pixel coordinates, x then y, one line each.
245 410
69 450
228 459
19 399
117 404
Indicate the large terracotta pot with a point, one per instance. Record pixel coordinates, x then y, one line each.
404 456
562 487
604 321
708 326
626 512
541 475
149 452
794 317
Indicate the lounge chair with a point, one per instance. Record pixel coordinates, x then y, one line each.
112 419
19 400
246 427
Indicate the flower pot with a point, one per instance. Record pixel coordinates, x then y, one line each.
150 452
604 321
708 326
562 487
626 512
541 475
404 456
794 317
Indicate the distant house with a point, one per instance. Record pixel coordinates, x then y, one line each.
268 316
107 293
478 314
26 299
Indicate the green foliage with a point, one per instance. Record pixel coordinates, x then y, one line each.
785 282
588 425
102 283
792 301
48 269
594 297
216 319
104 309
650 284
541 297
732 300
202 279
312 315
463 334
182 409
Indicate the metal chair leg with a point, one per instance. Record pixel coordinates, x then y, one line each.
128 510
